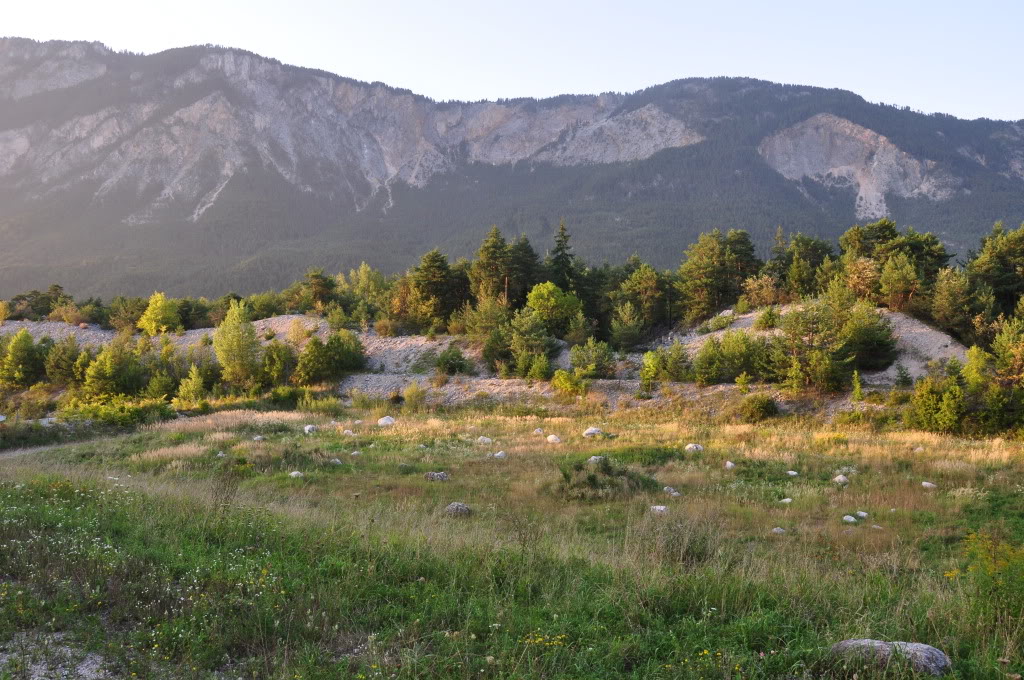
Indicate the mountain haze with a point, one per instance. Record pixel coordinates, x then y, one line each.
203 169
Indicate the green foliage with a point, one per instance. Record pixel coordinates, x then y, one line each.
555 307
238 349
23 363
899 282
161 315
345 352
757 407
60 361
160 386
602 481
192 389
540 368
568 384
594 359
858 390
414 397
116 371
998 265
767 320
937 405
314 365
627 327
665 364
712 275
721 360
116 412
451 361
278 362
5 311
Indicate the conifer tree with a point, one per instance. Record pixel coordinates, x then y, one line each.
161 315
237 347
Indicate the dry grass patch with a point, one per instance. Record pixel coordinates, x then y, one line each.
181 451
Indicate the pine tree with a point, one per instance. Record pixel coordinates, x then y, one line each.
432 278
489 275
192 389
899 282
858 389
314 363
524 270
627 327
561 263
278 362
23 365
161 315
238 349
60 361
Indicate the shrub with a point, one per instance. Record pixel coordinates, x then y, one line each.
5 311
594 359
345 353
117 411
161 315
452 361
415 396
585 482
937 405
386 328
540 368
328 405
767 320
568 384
757 407
717 323
286 396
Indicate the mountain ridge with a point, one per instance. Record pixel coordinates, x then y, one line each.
215 156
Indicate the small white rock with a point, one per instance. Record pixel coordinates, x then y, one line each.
862 514
659 509
919 449
668 489
500 455
929 485
358 422
554 439
484 440
842 480
849 519
538 431
594 460
875 526
349 433
729 465
336 461
787 501
356 453
675 494
309 429
220 454
592 432
258 438
436 477
423 446
295 475
386 421
458 509
3 418
778 531
792 473
692 448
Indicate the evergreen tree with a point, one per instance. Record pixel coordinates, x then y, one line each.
238 349
627 327
23 365
800 277
489 275
192 389
561 263
432 278
60 361
1000 265
314 363
555 307
278 362
644 289
524 270
161 386
899 281
161 315
115 371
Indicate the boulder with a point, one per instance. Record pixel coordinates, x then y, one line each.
336 461
594 460
841 480
554 439
436 476
457 510
778 531
861 514
221 454
592 432
356 453
792 473
659 509
500 455
309 429
921 657
349 433
849 519
386 421
694 448
668 489
258 438
729 465
484 440
675 494
786 501
929 485
538 431
296 474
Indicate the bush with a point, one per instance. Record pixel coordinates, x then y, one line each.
585 482
386 328
717 323
567 384
757 407
327 406
117 412
452 361
540 368
594 359
415 397
767 320
286 397
723 360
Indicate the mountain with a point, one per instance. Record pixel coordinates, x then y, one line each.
203 169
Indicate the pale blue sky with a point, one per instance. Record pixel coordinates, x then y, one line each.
963 58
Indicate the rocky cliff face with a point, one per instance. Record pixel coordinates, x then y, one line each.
836 152
109 162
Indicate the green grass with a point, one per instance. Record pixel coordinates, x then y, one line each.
197 566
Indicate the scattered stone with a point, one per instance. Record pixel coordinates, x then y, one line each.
3 418
296 474
356 453
922 658
929 485
778 530
358 422
309 429
849 519
457 510
659 509
919 449
694 448
792 473
675 494
500 455
554 439
349 433
538 431
258 438
668 489
875 526
386 421
787 501
220 454
841 480
336 461
729 465
594 460
423 446
592 432
861 514
436 476
484 440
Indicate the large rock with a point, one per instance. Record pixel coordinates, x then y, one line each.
457 510
484 440
694 448
309 429
554 439
921 657
386 421
592 432
436 476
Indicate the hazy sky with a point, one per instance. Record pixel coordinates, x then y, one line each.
962 57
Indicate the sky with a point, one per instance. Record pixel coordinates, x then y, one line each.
961 57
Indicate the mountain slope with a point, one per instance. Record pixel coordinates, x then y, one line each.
204 168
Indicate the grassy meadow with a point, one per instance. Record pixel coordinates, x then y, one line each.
169 560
